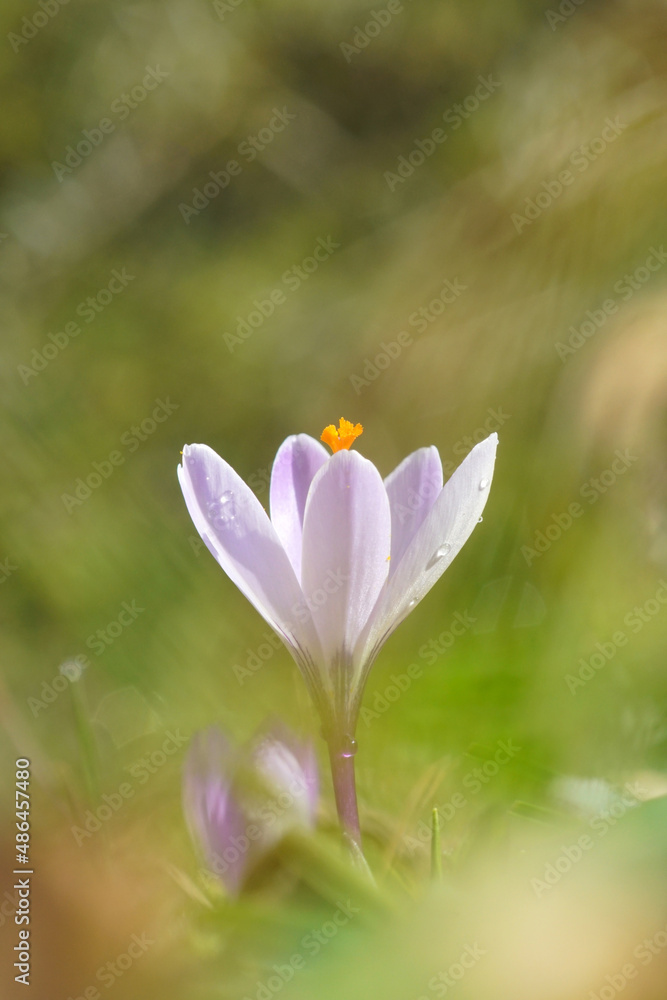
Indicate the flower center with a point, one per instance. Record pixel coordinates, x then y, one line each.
343 437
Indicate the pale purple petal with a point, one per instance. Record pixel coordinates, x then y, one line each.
443 533
304 751
238 533
214 817
290 767
346 548
412 488
296 462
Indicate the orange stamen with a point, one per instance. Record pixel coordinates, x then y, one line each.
343 437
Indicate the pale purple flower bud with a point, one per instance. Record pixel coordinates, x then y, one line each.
238 805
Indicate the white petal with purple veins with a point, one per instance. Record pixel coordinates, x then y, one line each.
346 545
297 461
412 488
444 531
239 534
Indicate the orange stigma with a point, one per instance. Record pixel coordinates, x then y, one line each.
342 438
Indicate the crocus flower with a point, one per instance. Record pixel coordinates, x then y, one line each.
238 806
344 556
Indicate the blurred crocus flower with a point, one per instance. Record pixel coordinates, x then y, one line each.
239 805
343 558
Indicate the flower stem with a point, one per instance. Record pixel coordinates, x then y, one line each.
342 772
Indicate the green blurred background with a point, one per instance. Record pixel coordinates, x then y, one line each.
554 335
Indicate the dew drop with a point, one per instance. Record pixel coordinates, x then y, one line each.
439 554
349 747
412 604
483 483
222 511
479 520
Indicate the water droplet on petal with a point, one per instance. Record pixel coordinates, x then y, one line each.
483 483
349 747
439 554
222 511
412 604
479 520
